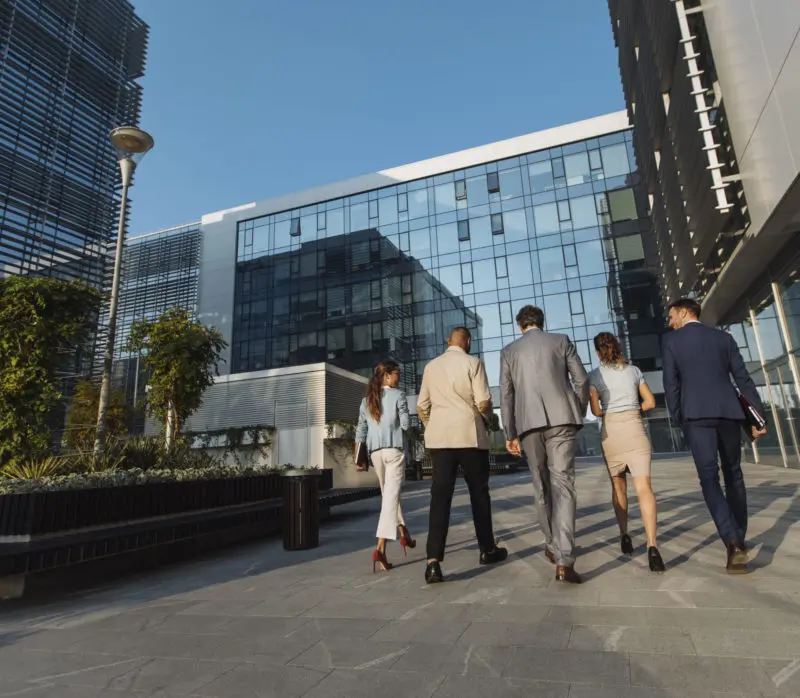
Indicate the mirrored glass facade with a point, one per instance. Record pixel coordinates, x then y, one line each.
389 272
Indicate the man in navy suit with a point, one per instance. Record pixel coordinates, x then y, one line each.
698 364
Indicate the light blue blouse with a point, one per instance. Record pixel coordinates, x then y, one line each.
388 432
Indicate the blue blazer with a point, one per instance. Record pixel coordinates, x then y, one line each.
698 364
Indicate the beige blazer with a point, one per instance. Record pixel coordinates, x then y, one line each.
454 394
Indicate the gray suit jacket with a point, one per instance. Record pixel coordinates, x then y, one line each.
535 389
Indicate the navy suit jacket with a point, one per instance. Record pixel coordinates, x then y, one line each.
698 364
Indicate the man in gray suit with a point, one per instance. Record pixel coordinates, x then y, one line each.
540 408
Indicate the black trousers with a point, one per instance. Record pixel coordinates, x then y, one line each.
707 438
475 464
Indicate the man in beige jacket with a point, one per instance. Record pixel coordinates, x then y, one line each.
453 404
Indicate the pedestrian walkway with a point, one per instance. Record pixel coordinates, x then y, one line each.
258 621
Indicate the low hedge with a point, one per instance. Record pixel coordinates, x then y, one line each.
135 476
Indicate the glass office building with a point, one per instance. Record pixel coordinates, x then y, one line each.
69 74
384 266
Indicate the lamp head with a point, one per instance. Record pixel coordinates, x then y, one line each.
131 143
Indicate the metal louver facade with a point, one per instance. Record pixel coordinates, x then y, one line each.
68 76
160 271
684 148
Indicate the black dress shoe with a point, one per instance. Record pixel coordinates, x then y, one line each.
737 559
654 558
567 574
433 573
496 555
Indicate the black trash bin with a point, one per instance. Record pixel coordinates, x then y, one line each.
300 510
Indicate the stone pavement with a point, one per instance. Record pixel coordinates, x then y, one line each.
257 621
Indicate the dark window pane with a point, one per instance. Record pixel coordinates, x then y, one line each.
493 183
497 223
461 189
463 231
295 229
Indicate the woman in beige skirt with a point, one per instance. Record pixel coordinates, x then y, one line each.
616 389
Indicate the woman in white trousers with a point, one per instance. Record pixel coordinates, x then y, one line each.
382 420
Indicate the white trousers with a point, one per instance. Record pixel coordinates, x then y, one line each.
390 467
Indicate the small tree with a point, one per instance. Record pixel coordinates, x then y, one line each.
82 416
182 357
43 322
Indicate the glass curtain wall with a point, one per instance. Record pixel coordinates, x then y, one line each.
771 348
388 273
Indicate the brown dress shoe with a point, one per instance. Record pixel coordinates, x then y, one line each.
550 555
567 574
737 559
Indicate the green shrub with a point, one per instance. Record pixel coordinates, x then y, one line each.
143 453
34 469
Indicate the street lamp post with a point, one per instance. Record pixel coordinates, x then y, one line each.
131 145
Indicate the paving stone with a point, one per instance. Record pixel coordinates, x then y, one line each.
461 660
473 687
551 635
568 665
252 682
344 683
620 638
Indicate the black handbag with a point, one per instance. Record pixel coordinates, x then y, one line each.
752 417
362 457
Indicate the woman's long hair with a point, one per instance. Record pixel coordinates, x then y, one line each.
375 388
608 349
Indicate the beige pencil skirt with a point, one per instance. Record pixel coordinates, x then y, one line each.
625 444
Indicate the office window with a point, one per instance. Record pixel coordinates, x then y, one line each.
563 211
595 161
569 256
493 183
576 303
500 267
373 209
615 160
295 229
622 205
466 273
321 221
629 248
497 224
463 231
558 167
402 202
461 190
540 175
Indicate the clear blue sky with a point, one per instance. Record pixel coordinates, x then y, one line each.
249 99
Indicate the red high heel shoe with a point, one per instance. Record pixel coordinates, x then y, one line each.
406 541
379 558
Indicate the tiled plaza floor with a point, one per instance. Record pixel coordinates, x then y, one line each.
258 621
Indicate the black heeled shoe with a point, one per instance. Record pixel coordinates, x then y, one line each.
433 573
626 544
654 558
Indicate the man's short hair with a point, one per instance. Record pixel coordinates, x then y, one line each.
460 332
530 316
689 304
